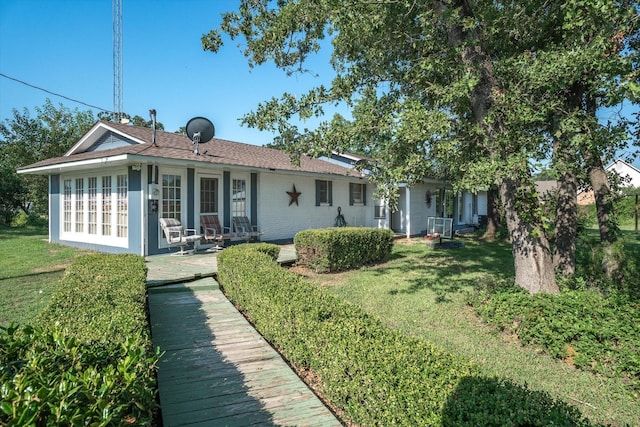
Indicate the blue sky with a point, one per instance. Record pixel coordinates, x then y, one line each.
66 47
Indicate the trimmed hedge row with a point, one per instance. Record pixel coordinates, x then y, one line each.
89 360
376 375
341 248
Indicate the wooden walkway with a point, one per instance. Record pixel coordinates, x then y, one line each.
217 370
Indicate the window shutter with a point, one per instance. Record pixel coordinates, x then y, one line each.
351 194
330 190
364 194
317 193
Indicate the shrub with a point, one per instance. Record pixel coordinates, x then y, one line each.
375 374
102 298
580 326
48 377
89 359
332 249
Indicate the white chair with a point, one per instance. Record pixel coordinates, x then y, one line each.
176 235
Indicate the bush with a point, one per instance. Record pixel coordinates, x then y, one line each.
333 249
102 298
89 359
624 279
580 326
375 374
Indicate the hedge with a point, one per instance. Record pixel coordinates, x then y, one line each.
375 374
341 248
88 361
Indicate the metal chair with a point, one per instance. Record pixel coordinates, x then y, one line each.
213 232
243 228
177 235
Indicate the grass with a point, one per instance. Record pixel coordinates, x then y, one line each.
30 271
421 292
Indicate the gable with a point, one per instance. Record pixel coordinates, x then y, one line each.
110 140
627 172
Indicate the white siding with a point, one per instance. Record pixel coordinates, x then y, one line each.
277 220
626 172
419 209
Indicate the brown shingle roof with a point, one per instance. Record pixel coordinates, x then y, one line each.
217 151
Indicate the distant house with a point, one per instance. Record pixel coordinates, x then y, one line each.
630 177
110 189
546 188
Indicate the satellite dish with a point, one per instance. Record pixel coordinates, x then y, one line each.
200 130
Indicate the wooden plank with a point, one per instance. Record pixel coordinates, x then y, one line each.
217 370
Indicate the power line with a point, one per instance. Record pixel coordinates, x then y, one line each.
55 94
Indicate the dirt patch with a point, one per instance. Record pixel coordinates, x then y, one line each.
320 279
49 268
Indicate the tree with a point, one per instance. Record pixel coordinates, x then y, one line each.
134 121
25 140
432 85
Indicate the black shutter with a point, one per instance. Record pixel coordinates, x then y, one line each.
317 193
330 190
364 194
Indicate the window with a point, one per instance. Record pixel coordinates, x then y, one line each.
95 207
357 194
324 192
92 193
67 206
379 211
172 196
122 205
79 205
106 205
208 195
474 204
239 198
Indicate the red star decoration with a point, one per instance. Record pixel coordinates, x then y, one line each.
294 196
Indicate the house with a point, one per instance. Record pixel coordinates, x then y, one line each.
108 192
629 177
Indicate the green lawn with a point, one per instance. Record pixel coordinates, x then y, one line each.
30 271
422 293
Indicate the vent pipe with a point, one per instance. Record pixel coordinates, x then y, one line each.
153 127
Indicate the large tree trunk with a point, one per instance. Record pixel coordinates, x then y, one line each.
564 160
531 254
601 190
530 247
603 197
493 214
564 256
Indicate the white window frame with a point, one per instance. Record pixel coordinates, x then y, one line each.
362 188
379 206
327 201
162 241
247 193
74 198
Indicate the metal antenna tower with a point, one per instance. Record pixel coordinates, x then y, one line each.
116 16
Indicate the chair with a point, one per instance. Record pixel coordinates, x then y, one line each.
243 228
213 232
176 235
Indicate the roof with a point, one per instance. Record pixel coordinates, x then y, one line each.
173 146
546 187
